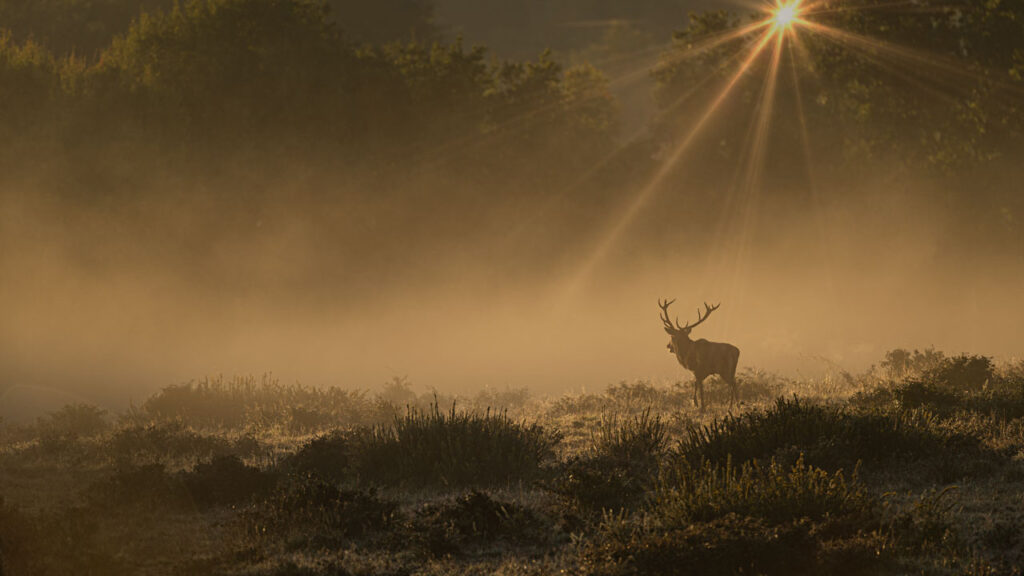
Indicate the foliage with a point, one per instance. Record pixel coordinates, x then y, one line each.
769 491
327 457
475 519
385 20
74 420
639 442
226 480
829 436
63 542
145 486
874 96
773 492
454 449
29 88
770 519
262 403
620 469
623 398
900 363
315 513
203 85
74 26
963 372
165 444
1000 402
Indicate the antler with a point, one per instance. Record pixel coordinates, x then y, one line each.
707 312
666 320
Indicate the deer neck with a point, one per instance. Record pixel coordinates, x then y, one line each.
683 344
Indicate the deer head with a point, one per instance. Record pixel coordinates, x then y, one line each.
681 334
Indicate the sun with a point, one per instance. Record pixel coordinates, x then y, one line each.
785 15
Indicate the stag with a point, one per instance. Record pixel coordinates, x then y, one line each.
701 357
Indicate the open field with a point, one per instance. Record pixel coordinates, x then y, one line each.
912 468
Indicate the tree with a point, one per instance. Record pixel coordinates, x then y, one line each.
383 21
82 27
937 87
239 69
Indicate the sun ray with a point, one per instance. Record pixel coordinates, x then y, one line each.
750 198
817 208
911 56
636 137
635 206
439 154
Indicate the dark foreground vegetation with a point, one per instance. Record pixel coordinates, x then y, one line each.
912 468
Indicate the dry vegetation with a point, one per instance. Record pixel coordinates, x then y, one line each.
913 467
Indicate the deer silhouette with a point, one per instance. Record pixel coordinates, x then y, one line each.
701 357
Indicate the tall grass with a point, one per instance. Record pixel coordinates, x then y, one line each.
454 448
261 403
829 436
774 492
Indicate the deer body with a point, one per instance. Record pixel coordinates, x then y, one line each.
702 357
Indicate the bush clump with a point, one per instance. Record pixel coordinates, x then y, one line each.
620 469
165 443
1002 400
74 420
327 457
144 486
830 437
773 492
247 402
751 519
453 449
226 480
963 372
311 512
476 519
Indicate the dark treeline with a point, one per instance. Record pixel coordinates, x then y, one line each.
405 141
264 107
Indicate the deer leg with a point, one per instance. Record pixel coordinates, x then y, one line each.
699 385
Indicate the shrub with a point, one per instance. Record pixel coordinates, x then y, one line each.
900 363
226 480
732 544
773 492
247 402
1005 401
453 449
752 519
829 436
62 542
74 420
326 457
621 468
917 394
927 523
963 372
475 519
16 544
171 442
314 513
507 399
145 486
638 442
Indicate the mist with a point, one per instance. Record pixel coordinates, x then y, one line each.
100 308
343 213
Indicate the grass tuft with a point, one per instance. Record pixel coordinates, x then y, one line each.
453 448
